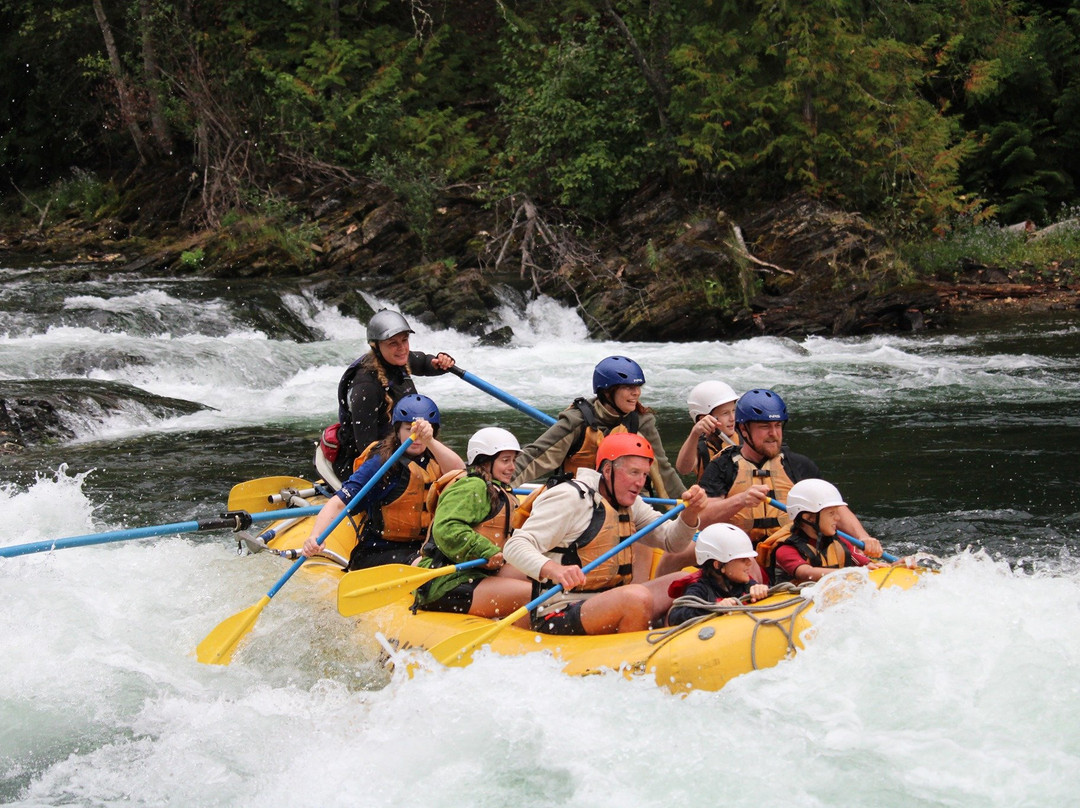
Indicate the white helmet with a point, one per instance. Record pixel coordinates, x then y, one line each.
489 441
707 396
723 542
811 496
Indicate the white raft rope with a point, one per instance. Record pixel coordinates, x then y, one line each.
785 624
829 589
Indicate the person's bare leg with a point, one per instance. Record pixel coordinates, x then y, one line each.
616 611
501 594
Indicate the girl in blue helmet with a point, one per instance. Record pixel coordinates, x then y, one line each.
392 521
571 442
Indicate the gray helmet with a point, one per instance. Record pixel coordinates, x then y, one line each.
386 323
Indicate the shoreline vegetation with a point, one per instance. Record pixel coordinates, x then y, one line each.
676 171
660 270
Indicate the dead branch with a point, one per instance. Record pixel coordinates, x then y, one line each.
745 253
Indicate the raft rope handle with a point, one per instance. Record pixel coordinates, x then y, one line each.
661 636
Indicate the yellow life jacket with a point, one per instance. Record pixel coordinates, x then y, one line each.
499 523
833 554
406 518
583 451
709 447
608 527
760 520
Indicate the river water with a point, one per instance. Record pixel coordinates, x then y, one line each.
964 691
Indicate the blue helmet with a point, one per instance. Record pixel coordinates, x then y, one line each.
616 370
760 405
408 408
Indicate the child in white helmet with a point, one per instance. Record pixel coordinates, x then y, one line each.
725 557
474 516
809 547
712 408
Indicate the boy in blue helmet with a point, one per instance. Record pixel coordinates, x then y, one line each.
395 518
571 442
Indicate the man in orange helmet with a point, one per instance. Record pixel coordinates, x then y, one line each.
575 522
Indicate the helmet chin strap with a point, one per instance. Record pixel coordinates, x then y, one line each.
815 525
744 433
608 483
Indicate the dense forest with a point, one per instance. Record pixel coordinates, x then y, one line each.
610 153
914 113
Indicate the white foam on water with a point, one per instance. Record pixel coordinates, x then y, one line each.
962 691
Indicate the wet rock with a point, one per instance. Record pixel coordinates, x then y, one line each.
35 412
498 338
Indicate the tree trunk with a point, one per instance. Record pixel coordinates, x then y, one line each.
152 75
656 81
123 90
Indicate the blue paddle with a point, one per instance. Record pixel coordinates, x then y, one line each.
218 647
503 396
235 521
857 542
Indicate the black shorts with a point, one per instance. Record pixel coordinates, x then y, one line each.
397 553
566 620
458 600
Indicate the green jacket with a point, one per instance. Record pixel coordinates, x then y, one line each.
462 504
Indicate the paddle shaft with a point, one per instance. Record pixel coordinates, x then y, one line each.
453 650
857 542
363 492
233 522
503 396
649 500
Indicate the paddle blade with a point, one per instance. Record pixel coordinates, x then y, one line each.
219 645
253 496
457 651
366 590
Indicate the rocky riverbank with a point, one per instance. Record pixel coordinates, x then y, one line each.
664 270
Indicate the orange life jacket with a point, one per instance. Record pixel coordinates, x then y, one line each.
760 520
608 527
830 552
499 523
405 518
583 451
709 447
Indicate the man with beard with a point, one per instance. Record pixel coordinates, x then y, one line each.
741 480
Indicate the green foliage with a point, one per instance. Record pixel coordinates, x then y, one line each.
416 184
380 94
192 259
1021 100
912 111
821 97
580 128
82 194
270 224
987 243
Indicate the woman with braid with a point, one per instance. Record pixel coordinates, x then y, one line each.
371 385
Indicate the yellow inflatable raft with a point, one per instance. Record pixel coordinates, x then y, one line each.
702 654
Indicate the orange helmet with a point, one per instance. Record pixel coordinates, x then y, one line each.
623 444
